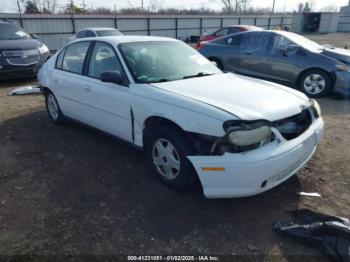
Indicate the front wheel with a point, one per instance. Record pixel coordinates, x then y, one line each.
316 83
167 152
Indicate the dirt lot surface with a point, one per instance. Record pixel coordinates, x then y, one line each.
72 190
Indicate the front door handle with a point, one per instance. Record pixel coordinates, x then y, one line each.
87 88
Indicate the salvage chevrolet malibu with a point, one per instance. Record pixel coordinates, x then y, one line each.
240 136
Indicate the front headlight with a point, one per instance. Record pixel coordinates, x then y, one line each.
343 67
43 49
246 137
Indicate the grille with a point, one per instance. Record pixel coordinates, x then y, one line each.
20 53
23 61
294 126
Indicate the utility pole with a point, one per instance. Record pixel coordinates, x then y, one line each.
142 6
273 6
20 13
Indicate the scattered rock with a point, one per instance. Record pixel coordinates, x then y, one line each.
60 156
103 204
252 248
18 187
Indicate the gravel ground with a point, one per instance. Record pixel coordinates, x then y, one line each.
71 190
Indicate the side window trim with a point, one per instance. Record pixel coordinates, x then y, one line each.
63 52
126 81
88 59
82 73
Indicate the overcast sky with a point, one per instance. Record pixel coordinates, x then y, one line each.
10 6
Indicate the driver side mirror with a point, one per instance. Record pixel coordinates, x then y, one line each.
112 77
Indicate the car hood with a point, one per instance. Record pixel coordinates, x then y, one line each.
244 97
20 44
342 55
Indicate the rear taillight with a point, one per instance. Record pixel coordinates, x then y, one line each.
199 45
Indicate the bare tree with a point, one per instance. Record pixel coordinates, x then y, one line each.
228 5
330 8
245 4
235 5
155 5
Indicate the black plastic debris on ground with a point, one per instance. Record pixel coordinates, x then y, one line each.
329 234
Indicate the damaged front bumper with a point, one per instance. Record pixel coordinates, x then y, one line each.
342 83
256 171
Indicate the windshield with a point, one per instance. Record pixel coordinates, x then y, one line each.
12 32
108 33
163 61
304 42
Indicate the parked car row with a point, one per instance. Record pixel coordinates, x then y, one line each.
21 54
239 135
228 30
283 57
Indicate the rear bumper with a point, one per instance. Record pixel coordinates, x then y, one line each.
342 85
256 171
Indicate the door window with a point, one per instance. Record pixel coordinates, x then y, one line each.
81 34
221 32
255 43
280 42
74 57
103 58
234 40
234 30
90 34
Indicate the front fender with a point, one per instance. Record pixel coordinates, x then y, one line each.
190 115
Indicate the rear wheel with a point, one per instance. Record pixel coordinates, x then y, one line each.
316 83
167 152
53 108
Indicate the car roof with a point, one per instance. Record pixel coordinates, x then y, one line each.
245 26
128 39
98 28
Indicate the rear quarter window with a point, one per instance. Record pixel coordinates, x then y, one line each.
74 57
60 58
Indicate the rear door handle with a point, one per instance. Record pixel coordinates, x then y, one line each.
248 53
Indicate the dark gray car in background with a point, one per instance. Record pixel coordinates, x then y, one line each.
21 54
285 58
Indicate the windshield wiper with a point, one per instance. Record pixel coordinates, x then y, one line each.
200 74
160 80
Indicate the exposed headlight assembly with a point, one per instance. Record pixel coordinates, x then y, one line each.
246 134
249 137
43 49
343 67
316 107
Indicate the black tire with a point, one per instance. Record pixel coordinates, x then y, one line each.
219 64
186 175
56 119
312 91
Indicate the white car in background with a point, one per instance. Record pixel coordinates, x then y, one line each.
95 32
241 136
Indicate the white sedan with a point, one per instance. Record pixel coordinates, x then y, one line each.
240 136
